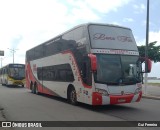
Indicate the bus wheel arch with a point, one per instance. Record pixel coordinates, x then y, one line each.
71 95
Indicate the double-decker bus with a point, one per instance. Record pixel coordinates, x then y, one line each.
96 64
13 75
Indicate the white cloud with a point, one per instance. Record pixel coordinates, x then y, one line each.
150 23
105 6
141 42
154 36
154 72
128 20
116 23
139 8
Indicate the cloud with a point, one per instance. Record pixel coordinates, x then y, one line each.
150 23
139 8
105 6
128 20
116 23
154 72
154 36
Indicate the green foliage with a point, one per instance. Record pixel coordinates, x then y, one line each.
153 51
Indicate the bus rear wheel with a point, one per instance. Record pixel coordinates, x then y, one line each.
32 88
72 97
36 89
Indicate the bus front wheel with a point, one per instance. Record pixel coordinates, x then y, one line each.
72 96
36 89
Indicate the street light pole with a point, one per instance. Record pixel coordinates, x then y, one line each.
13 51
146 48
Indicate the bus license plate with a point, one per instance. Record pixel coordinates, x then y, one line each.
121 100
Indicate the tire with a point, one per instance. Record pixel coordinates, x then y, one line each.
72 98
32 88
36 90
6 83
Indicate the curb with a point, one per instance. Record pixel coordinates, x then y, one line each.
151 97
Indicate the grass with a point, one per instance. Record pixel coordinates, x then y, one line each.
154 84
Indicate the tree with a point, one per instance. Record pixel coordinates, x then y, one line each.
153 51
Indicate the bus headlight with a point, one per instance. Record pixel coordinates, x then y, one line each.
138 90
101 91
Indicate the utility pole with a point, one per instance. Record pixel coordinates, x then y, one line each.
146 48
13 51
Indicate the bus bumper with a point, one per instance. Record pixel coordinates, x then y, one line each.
98 99
17 83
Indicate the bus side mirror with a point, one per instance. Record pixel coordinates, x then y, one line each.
149 63
93 60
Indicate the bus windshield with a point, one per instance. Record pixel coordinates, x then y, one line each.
117 69
16 72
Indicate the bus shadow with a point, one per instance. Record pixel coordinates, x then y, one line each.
53 97
13 86
99 109
104 107
110 109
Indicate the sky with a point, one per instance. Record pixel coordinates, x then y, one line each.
27 23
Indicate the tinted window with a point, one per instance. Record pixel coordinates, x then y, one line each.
61 72
78 33
67 41
75 34
30 54
38 52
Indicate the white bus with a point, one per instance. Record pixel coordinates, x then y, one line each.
96 64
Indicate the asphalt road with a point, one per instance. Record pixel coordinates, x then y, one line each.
20 104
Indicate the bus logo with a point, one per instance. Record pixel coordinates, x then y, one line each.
99 36
124 39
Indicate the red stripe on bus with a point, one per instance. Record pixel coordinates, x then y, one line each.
121 99
139 97
85 85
